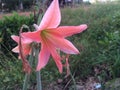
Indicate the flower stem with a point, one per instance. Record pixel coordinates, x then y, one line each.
73 81
38 75
69 72
39 85
27 75
26 80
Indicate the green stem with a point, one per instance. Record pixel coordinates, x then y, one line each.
27 76
26 80
39 85
73 81
38 75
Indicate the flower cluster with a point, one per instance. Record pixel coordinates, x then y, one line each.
51 36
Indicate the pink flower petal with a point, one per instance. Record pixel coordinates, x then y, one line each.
65 45
43 57
58 41
32 36
71 30
56 58
16 49
25 45
26 48
15 38
52 17
54 53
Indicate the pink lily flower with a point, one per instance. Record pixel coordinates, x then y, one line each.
52 37
25 44
24 49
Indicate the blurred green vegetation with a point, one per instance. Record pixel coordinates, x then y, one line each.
10 67
10 25
99 45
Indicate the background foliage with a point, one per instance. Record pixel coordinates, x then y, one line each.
10 25
100 44
10 71
10 5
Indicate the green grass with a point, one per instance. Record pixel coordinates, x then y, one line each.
100 43
10 72
99 47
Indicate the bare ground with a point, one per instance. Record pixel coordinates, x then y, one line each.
20 13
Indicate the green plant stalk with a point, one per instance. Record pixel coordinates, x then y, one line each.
38 76
73 81
27 76
26 80
39 85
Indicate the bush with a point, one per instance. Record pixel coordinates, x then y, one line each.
10 25
10 67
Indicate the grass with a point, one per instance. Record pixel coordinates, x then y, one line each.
99 47
99 44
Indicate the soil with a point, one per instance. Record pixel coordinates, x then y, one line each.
9 14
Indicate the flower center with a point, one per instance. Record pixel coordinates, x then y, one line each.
44 33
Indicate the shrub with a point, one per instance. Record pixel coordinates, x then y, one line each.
10 67
10 25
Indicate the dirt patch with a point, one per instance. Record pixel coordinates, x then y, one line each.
20 13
